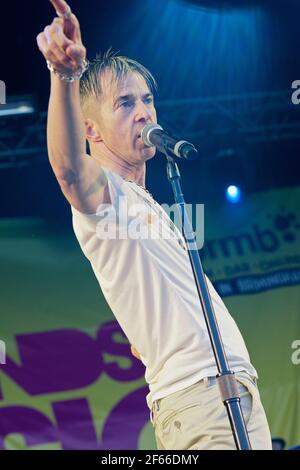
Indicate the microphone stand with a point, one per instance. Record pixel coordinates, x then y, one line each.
225 377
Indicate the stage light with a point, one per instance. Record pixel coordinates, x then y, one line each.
18 106
233 194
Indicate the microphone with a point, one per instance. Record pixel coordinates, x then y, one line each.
153 134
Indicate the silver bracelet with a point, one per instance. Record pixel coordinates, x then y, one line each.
84 66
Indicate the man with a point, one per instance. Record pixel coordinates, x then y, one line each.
148 282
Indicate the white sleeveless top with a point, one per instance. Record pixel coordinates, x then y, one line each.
149 286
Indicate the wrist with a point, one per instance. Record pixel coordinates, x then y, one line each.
63 89
76 76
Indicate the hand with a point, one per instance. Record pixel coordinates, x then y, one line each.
60 42
134 352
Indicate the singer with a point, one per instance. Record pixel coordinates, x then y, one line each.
148 283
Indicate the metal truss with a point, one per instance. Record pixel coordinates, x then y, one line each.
22 138
247 118
250 117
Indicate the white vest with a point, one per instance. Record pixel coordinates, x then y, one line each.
149 286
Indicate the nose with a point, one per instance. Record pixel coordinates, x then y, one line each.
143 111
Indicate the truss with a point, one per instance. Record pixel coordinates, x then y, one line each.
247 118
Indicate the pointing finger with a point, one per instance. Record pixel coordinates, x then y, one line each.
61 6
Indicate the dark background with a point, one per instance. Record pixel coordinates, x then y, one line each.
234 62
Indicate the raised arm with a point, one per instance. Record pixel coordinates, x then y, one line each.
80 177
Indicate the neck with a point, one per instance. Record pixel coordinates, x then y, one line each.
127 170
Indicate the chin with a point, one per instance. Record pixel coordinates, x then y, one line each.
148 153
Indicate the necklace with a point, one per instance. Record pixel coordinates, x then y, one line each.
150 201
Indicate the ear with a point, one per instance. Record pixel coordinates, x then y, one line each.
92 130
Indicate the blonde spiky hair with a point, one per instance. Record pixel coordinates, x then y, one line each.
120 66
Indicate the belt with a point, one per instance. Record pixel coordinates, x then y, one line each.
208 381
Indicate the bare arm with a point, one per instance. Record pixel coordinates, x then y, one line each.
80 177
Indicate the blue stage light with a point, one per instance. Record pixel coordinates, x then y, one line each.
233 194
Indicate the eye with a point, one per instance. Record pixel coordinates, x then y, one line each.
149 99
126 104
